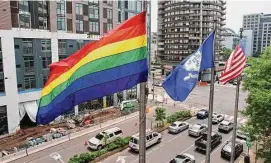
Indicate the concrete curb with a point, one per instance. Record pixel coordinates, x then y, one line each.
63 139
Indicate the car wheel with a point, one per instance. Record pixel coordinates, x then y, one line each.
159 141
99 147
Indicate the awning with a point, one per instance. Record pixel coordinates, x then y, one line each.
31 108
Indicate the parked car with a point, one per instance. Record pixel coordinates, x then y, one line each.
216 118
202 114
30 141
151 139
183 158
226 150
225 125
201 143
197 129
39 140
104 138
241 134
177 127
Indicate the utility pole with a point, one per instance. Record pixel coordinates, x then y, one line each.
235 111
142 103
152 86
211 105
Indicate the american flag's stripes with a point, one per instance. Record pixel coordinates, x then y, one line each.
234 65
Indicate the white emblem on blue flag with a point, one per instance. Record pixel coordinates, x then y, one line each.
193 64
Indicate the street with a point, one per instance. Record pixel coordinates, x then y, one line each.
171 144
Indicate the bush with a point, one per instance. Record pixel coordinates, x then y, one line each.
87 157
178 116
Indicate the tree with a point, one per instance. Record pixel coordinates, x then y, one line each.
160 115
258 84
226 53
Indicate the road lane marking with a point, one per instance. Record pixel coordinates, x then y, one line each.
180 134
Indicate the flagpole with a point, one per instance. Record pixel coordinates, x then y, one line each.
211 104
142 106
235 111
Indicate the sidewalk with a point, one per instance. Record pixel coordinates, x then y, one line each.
63 139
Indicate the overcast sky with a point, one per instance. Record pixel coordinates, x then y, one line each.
235 11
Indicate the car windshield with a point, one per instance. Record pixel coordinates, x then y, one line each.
173 125
227 147
202 112
225 123
99 136
196 127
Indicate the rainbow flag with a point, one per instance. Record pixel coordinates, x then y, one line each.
116 62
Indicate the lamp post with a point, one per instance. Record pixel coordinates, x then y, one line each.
152 86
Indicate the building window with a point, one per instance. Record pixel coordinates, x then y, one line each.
46 61
62 47
43 22
24 6
29 64
78 9
45 78
132 5
29 82
24 20
61 16
45 45
27 46
109 26
93 1
42 7
80 44
3 120
139 6
132 93
94 27
79 25
109 13
2 85
94 12
119 17
61 23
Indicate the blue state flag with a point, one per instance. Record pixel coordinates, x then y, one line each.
184 77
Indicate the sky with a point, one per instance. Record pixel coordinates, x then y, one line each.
234 12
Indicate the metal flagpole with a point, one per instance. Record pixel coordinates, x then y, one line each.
235 111
142 108
211 104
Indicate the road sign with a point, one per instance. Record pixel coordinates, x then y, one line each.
121 159
249 143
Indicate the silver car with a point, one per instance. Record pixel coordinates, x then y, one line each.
216 118
183 158
197 129
177 127
225 126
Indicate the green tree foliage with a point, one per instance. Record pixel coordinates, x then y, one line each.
258 84
226 53
160 115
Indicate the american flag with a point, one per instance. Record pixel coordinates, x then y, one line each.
234 65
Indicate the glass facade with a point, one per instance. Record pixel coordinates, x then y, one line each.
61 14
3 120
2 81
78 9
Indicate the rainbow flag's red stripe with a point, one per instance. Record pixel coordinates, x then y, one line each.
116 62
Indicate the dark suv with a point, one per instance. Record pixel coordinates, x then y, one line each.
202 114
226 150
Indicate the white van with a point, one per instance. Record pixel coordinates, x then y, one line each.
104 138
151 139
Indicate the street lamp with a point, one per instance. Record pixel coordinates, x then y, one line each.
152 86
